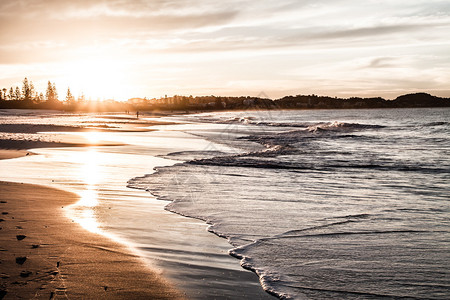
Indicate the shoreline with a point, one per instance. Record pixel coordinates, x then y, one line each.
45 254
169 258
201 269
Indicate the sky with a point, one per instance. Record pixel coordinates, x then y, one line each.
121 49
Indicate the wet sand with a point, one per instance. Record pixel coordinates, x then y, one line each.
121 273
10 153
45 255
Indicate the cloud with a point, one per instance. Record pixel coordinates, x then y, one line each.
244 39
39 34
382 62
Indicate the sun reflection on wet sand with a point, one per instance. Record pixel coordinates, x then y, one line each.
93 137
83 212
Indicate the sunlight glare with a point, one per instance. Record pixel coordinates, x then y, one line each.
93 136
96 78
84 209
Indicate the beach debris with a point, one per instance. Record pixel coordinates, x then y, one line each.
4 276
2 293
34 246
20 237
105 287
5 212
25 273
57 264
3 201
19 227
20 260
1 220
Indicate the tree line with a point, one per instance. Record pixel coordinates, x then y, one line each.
28 97
28 93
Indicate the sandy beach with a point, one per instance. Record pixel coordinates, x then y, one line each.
103 215
112 235
47 256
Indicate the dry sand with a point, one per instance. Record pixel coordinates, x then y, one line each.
44 255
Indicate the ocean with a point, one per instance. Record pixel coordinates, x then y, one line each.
322 204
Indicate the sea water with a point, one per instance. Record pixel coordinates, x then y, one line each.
180 249
322 204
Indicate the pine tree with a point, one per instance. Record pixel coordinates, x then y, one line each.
55 93
11 94
26 92
69 97
51 93
33 92
17 94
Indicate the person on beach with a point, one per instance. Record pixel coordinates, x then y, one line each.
137 114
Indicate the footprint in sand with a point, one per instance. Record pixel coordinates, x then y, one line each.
21 260
24 274
20 237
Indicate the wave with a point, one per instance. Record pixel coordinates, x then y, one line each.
256 160
191 155
341 126
267 279
434 124
275 284
337 234
312 127
284 287
333 130
242 120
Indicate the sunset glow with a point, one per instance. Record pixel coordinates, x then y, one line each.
96 78
124 49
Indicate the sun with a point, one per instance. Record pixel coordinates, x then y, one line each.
97 79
